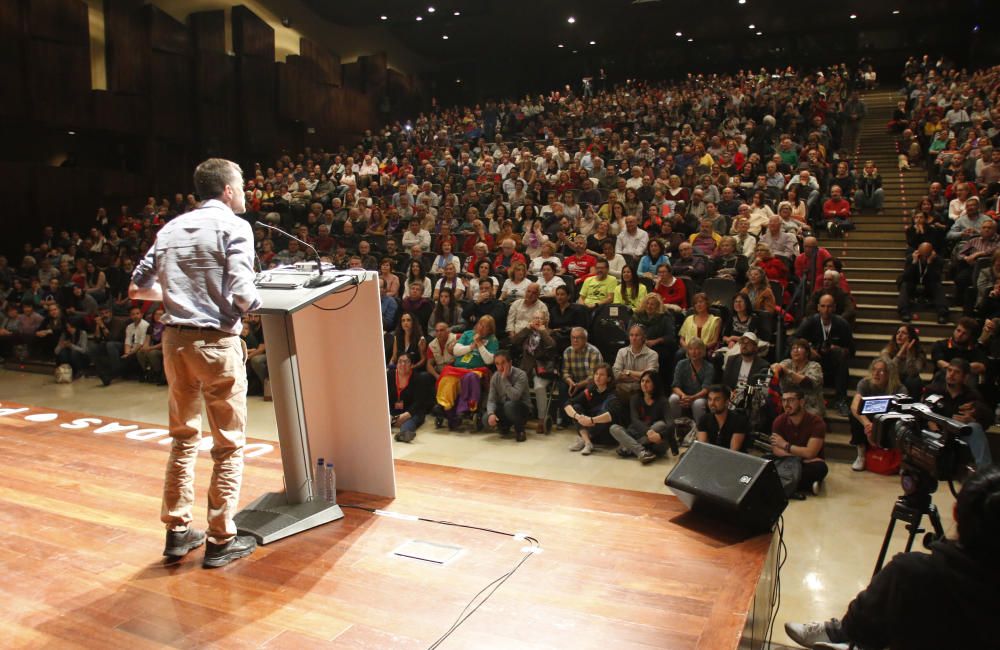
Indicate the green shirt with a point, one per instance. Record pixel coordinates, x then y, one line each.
596 291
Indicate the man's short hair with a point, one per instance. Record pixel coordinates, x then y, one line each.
961 364
722 389
794 390
212 176
501 353
971 325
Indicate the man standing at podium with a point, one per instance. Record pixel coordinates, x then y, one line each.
201 268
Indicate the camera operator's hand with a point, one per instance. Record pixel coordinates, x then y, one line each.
966 413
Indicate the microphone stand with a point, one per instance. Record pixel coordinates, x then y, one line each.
318 280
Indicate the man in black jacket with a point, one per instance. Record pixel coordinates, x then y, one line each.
919 601
833 344
956 399
485 304
923 268
739 369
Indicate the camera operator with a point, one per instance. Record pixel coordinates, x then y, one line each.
919 601
956 399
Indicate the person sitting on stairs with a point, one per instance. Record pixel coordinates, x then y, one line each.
922 272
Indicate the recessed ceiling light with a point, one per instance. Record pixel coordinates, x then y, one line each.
760 33
571 20
678 34
752 26
458 81
853 16
560 45
444 36
430 10
690 40
419 18
71 133
593 42
383 18
742 2
458 13
895 12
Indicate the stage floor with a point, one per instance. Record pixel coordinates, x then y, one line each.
80 557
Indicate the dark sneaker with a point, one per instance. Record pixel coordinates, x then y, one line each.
180 543
217 555
623 452
521 436
646 457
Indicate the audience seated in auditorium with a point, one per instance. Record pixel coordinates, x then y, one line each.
832 344
692 377
646 435
802 373
958 399
798 433
593 407
922 275
882 379
722 425
459 384
409 398
740 368
598 289
702 324
631 361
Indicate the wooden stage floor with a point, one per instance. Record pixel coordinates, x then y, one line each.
81 566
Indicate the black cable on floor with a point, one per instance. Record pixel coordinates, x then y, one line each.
489 589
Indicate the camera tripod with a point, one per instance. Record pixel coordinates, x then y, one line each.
911 508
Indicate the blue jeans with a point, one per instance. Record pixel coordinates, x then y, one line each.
411 425
979 445
862 200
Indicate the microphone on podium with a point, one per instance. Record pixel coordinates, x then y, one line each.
318 280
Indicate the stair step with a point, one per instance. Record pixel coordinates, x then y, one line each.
854 263
930 329
886 310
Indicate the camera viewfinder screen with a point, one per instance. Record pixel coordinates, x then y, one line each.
875 406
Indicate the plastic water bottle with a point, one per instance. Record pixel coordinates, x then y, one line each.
319 482
330 491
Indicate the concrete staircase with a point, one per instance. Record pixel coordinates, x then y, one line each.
873 256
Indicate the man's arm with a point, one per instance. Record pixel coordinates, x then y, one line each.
144 284
239 269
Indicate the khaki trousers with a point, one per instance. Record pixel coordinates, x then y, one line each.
210 365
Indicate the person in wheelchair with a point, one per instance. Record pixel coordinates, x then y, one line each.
459 385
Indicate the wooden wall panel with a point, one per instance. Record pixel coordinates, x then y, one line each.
215 94
256 102
208 30
62 21
12 88
120 113
170 97
289 90
350 75
127 46
165 33
322 66
63 99
251 35
374 70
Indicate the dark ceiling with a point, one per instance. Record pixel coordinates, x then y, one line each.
535 28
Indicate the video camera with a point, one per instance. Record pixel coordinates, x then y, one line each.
931 444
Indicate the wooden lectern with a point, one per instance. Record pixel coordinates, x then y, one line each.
325 360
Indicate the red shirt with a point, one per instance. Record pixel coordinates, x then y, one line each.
812 426
675 294
776 269
822 255
580 265
499 264
841 208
